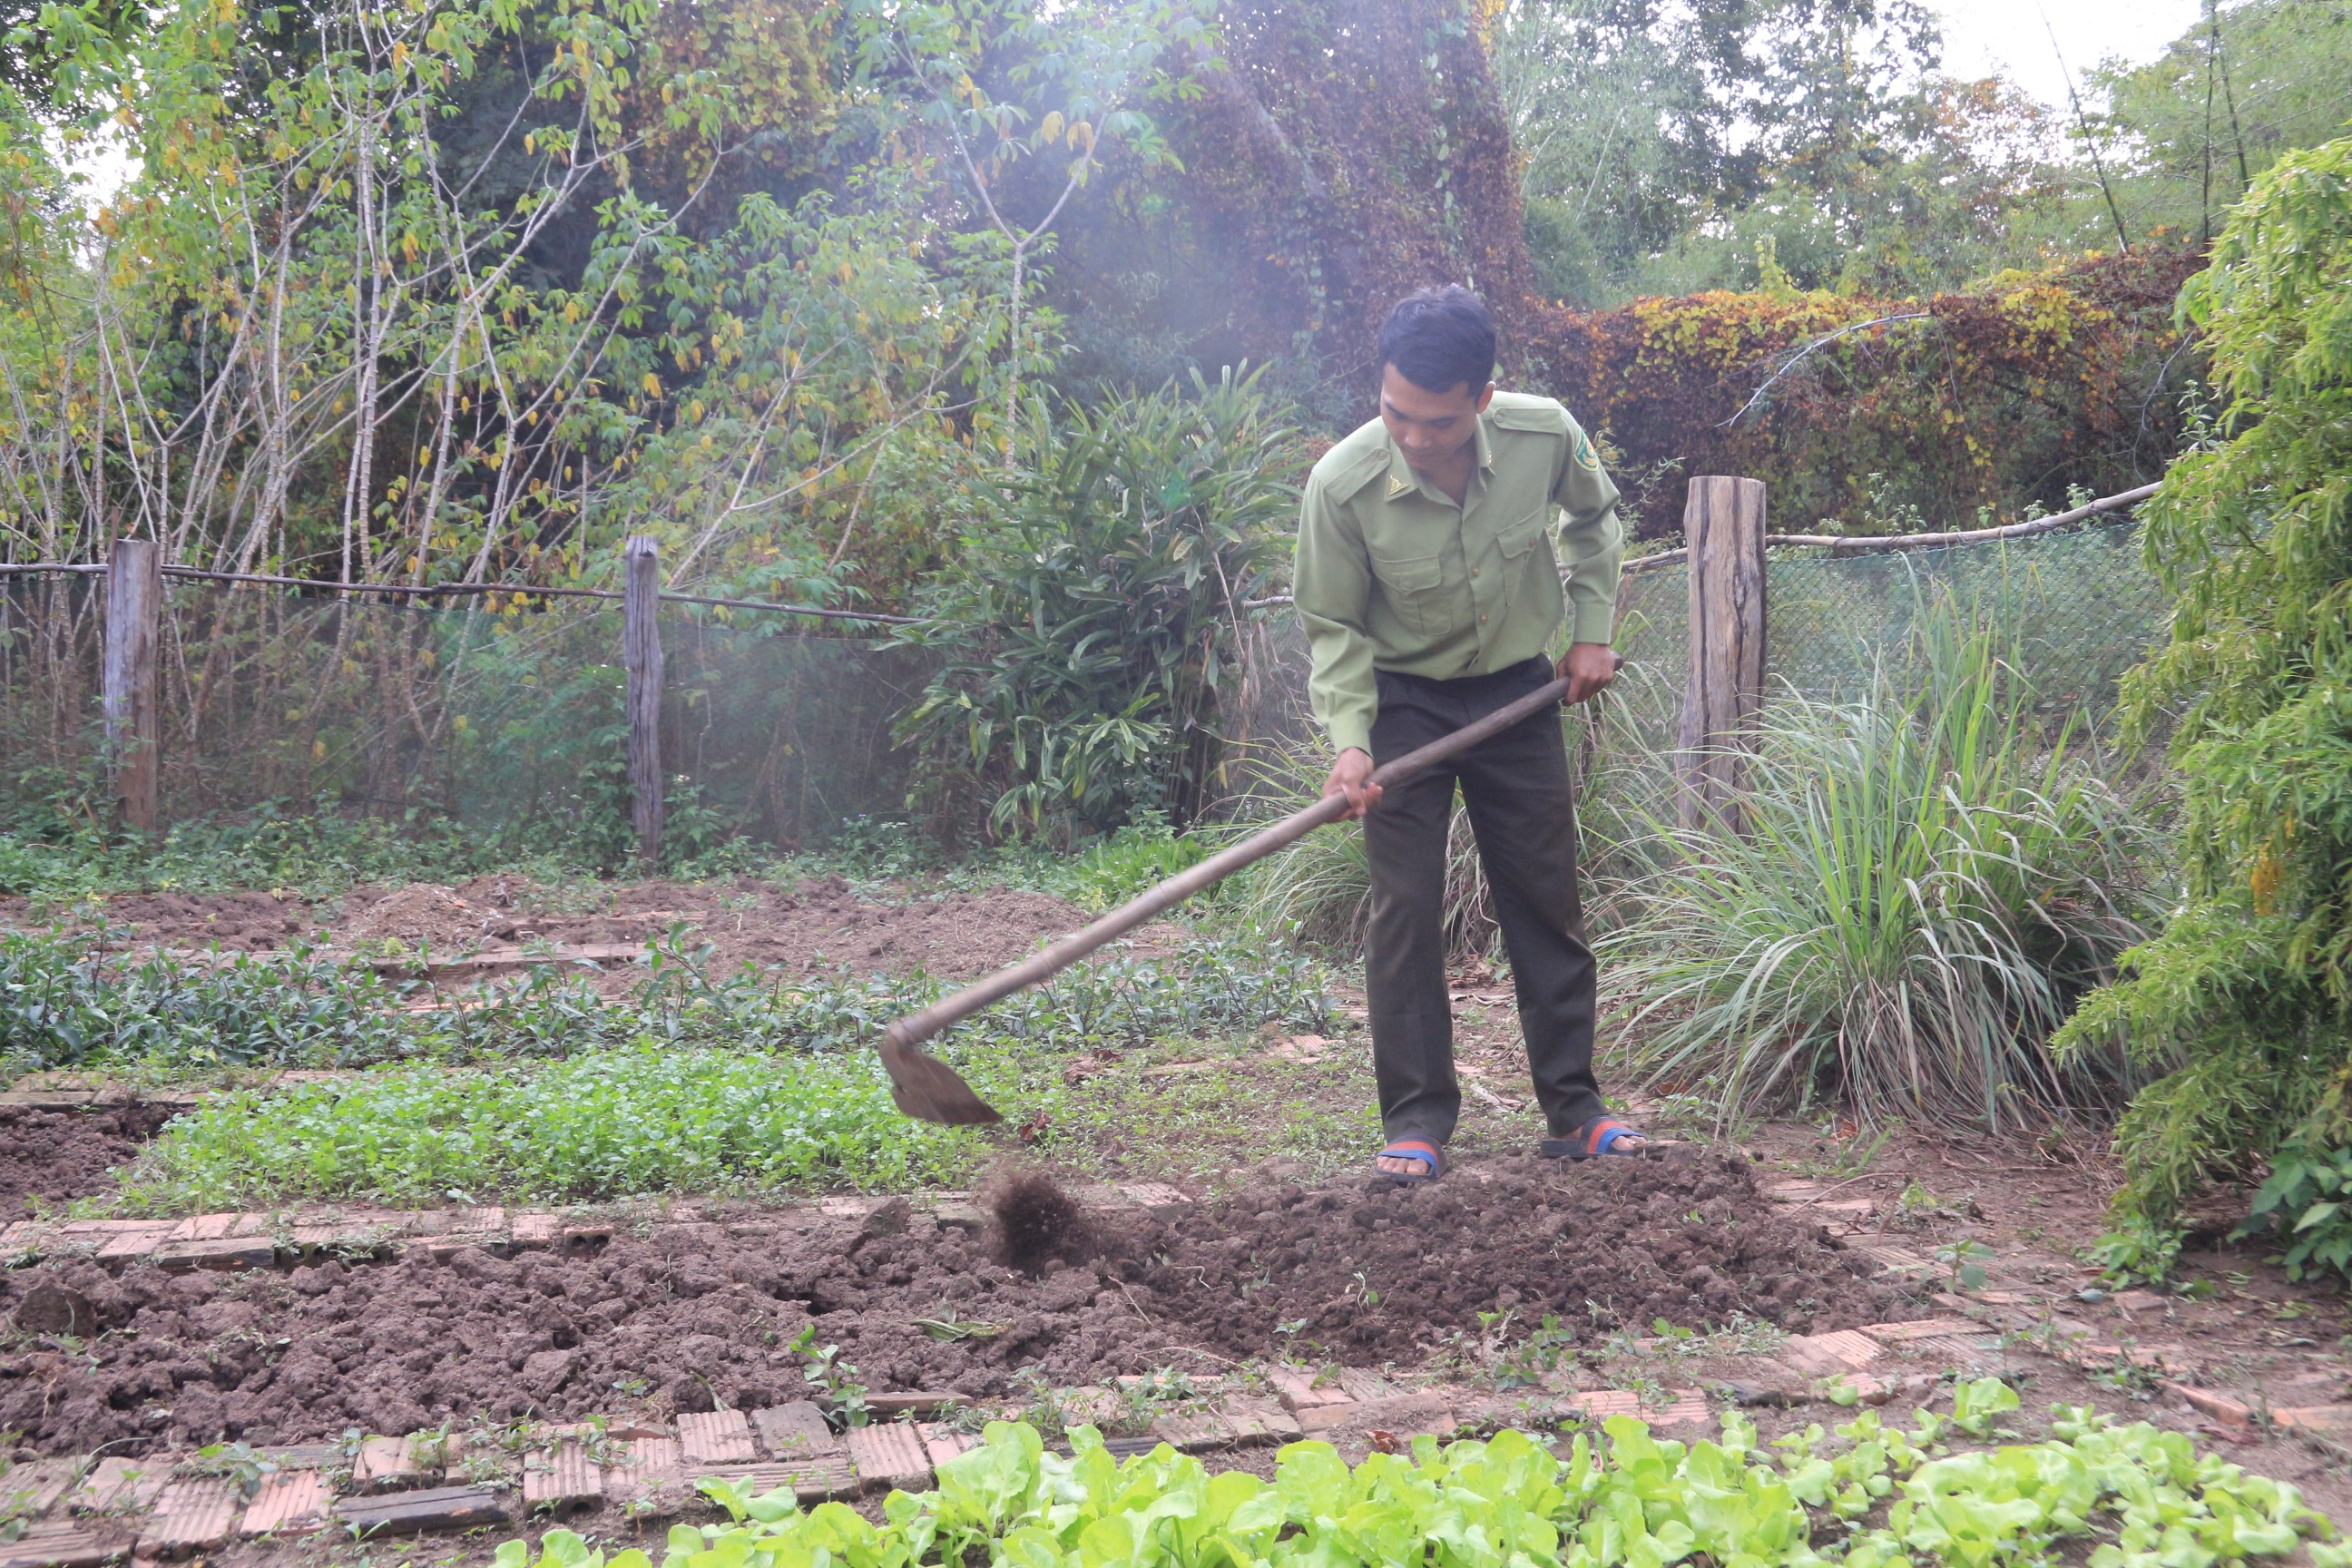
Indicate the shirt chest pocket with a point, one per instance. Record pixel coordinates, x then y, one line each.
1519 541
1416 586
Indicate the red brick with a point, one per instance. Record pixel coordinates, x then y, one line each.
716 1437
650 1462
190 1516
117 1484
889 1455
1234 1423
1821 1355
2326 1420
386 1464
227 1252
203 1227
289 1502
134 1239
28 1491
796 1431
942 1443
1157 1199
810 1481
405 1513
1301 1390
561 1477
536 1229
56 1544
1927 1328
1405 1415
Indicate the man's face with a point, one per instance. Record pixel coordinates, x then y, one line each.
1429 428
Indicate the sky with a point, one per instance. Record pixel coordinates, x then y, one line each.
1981 37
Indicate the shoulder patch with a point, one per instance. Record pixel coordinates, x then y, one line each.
1586 458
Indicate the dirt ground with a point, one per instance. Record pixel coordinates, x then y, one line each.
691 1316
1296 1253
49 1156
811 926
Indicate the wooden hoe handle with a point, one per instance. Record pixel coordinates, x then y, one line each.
917 1028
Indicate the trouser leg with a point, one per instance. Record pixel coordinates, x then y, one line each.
1404 947
1522 807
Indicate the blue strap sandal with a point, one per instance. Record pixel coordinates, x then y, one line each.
1427 1156
1596 1138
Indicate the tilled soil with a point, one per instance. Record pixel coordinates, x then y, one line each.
1688 1239
697 1314
59 1155
814 925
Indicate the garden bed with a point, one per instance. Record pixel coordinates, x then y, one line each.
64 1154
812 925
689 1316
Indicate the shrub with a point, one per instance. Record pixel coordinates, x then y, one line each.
2246 996
1090 619
1923 889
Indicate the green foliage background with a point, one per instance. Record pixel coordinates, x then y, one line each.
2247 994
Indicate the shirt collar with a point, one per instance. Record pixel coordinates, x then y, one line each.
1404 481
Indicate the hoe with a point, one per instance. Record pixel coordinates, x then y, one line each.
929 1089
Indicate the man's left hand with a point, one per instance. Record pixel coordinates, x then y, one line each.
1588 667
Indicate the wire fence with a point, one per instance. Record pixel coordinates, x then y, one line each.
501 718
513 718
2082 606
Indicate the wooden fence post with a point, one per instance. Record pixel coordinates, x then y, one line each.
1724 522
641 659
134 608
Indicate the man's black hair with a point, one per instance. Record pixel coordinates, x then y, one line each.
1440 338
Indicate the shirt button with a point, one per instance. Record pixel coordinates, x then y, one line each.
1474 571
1482 620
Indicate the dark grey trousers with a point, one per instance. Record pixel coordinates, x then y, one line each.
1522 807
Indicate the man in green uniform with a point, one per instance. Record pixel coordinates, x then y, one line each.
1430 589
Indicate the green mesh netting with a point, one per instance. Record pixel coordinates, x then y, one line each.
509 718
2083 605
489 716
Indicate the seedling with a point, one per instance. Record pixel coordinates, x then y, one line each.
1963 1264
834 1378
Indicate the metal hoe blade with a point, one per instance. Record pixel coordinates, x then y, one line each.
928 1089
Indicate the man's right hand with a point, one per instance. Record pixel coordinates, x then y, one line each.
1352 776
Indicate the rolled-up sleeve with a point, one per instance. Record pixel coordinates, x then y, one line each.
1332 586
1591 542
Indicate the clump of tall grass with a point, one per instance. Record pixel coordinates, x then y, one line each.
1319 891
1924 881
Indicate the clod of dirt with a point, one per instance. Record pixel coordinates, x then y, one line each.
1037 1223
891 1219
57 1310
67 1153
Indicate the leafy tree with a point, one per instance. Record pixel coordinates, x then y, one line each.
1673 148
2250 81
2247 994
1006 82
1094 617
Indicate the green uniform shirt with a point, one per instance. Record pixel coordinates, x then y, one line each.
1392 575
